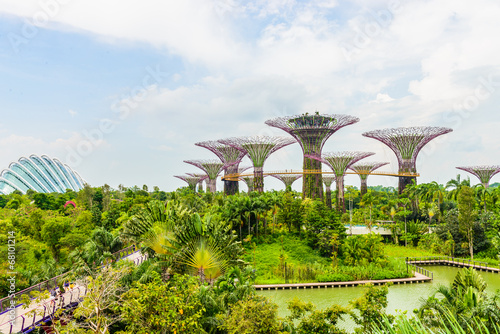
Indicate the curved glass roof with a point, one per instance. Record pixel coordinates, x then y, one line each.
41 174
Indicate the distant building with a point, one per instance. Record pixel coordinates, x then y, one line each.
41 174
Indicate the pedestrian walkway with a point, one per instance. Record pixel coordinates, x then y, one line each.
22 320
418 278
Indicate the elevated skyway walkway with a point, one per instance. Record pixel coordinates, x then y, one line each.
240 176
25 320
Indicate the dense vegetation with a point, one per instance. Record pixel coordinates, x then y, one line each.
207 250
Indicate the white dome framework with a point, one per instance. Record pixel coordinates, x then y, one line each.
41 174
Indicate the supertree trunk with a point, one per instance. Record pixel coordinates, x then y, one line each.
211 185
405 181
340 194
258 179
364 187
406 166
328 197
312 184
231 187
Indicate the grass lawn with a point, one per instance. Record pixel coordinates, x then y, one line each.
395 251
265 258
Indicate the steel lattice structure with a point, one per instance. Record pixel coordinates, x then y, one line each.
328 180
258 148
212 168
406 143
202 177
339 162
288 179
312 131
364 169
230 156
483 173
192 181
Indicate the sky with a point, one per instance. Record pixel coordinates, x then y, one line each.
121 90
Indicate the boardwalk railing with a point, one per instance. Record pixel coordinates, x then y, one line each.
27 322
54 282
419 270
448 260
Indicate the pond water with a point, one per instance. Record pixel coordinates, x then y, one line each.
401 297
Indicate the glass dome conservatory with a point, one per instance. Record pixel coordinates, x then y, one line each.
41 174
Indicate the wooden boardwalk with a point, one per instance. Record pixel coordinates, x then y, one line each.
449 261
418 278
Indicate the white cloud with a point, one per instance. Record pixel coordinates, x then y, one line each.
264 59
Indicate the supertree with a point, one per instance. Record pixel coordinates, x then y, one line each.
483 173
328 180
312 131
231 157
364 169
202 177
192 181
287 179
406 142
339 162
258 148
248 179
212 168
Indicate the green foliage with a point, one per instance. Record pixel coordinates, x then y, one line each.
323 322
371 308
253 315
467 216
53 231
363 249
155 307
460 302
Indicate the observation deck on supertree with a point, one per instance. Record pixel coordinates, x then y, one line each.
258 148
364 169
231 157
288 179
406 143
483 173
212 168
328 180
339 162
192 181
312 131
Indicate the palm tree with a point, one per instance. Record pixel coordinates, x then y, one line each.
464 299
482 193
456 184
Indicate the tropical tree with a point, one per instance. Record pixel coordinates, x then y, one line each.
467 216
456 184
464 299
369 200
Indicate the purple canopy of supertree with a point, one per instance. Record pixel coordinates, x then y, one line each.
364 169
312 131
406 143
287 179
483 173
258 148
212 168
339 162
230 156
192 181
